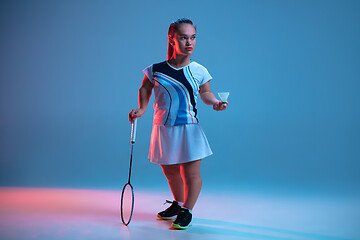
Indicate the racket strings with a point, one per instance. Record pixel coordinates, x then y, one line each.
127 203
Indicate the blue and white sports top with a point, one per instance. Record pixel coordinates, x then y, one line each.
176 91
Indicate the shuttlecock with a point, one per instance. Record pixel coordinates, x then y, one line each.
223 97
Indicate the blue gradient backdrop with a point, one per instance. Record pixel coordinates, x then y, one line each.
70 72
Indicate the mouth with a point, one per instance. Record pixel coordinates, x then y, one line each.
189 48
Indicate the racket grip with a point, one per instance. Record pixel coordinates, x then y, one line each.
133 130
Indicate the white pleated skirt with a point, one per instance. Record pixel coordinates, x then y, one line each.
178 144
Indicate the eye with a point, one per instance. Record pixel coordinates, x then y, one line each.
193 37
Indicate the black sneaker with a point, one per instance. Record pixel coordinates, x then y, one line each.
171 212
183 220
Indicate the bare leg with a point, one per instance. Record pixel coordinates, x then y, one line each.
190 173
172 173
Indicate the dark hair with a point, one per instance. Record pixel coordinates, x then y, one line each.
174 27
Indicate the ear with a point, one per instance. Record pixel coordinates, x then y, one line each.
171 41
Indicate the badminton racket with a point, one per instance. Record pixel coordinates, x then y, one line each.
127 194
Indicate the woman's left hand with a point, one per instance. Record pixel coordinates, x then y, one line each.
220 106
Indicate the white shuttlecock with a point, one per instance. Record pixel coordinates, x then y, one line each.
223 97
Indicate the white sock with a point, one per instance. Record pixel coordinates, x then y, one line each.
180 203
188 209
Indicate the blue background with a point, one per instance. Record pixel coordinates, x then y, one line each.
70 73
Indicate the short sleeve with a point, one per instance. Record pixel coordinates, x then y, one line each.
149 73
206 76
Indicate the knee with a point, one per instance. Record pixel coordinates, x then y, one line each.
173 176
189 178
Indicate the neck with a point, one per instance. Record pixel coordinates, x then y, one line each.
179 60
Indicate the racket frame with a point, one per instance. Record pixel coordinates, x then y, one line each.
122 203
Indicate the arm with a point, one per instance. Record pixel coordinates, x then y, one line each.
144 97
209 98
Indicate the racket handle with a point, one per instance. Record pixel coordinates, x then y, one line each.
133 130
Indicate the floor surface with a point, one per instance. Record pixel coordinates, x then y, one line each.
43 213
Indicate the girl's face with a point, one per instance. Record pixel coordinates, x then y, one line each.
184 39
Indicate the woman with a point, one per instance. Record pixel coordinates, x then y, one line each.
177 141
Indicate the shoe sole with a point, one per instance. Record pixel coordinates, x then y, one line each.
177 226
166 218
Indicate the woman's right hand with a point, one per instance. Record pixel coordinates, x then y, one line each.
135 113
